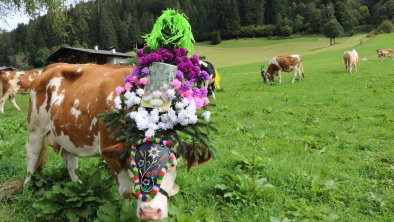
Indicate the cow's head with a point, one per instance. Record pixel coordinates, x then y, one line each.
267 77
154 167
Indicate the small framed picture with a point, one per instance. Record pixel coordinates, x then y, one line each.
156 92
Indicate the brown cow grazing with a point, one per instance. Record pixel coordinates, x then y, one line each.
350 59
65 103
384 53
14 82
284 63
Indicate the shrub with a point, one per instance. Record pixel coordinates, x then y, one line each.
215 38
386 26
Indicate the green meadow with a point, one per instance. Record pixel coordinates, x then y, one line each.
321 149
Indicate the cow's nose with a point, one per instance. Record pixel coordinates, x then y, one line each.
150 213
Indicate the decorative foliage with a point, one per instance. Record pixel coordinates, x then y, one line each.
171 30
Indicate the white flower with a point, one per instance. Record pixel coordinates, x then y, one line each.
193 119
185 102
132 115
140 92
179 105
171 93
147 97
149 133
206 115
118 102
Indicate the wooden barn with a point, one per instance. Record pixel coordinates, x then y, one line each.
81 55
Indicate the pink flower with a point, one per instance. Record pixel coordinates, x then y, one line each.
143 81
119 90
134 80
185 93
205 101
199 102
128 86
176 84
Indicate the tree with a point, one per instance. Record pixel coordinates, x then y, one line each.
41 56
332 30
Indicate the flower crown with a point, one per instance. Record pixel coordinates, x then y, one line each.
185 119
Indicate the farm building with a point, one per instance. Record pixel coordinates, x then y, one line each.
81 55
4 68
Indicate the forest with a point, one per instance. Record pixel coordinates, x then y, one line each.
121 24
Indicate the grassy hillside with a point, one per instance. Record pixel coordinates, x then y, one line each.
317 150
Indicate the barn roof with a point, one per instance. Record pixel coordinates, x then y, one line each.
62 50
5 68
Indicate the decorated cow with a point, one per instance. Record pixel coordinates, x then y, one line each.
132 116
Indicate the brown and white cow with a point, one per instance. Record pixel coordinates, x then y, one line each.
14 82
65 103
384 53
283 63
350 59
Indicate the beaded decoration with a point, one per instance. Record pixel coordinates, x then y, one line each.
151 168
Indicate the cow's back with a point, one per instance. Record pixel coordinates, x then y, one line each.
67 99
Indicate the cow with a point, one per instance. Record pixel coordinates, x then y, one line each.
384 53
14 82
283 63
64 112
350 59
209 84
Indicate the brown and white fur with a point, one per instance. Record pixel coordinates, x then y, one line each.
286 64
14 82
65 103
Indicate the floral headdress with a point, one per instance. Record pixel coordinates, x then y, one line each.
186 121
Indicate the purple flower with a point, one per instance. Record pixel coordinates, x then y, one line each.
178 60
129 78
203 92
196 92
145 70
205 76
177 52
195 59
186 86
179 75
186 59
136 71
140 52
183 51
182 67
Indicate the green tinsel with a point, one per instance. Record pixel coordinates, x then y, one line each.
171 30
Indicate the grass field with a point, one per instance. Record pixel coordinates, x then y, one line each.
317 150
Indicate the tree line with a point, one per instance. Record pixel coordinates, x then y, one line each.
121 24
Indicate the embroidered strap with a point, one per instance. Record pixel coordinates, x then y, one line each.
150 160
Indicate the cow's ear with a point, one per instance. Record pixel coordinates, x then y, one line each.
114 151
190 159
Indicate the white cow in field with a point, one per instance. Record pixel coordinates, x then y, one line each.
350 59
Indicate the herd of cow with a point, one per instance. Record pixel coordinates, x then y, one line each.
293 63
67 99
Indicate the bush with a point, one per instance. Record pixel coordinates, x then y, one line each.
215 38
386 26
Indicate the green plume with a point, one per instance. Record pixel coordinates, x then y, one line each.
171 30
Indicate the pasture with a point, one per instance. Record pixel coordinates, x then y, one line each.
317 150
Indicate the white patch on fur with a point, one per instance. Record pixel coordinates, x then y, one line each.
93 123
110 98
84 151
79 70
74 110
57 98
125 182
